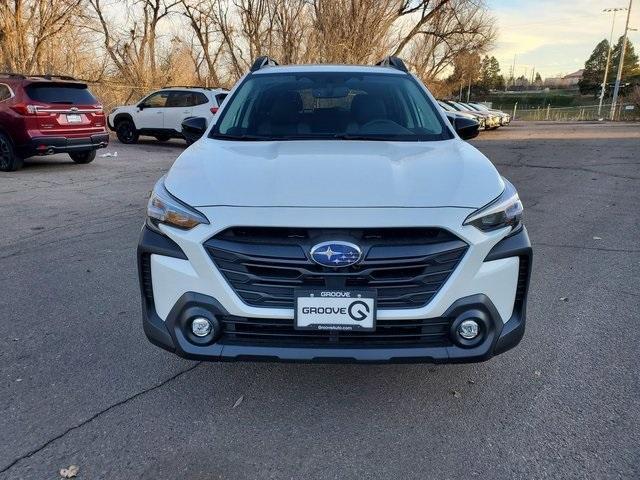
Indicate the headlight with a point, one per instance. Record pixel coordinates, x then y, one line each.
504 211
165 208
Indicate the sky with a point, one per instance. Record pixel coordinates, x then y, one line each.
556 37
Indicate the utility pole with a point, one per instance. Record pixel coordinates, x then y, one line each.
616 90
606 69
513 70
469 89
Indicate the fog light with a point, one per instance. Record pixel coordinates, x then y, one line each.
201 327
468 329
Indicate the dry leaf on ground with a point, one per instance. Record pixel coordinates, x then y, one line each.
70 472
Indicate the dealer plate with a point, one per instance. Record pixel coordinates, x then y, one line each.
337 310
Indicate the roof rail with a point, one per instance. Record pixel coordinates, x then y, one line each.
393 62
46 76
49 76
191 86
11 74
262 62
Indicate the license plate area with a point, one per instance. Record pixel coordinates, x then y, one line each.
335 310
74 118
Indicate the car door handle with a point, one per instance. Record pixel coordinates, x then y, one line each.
158 113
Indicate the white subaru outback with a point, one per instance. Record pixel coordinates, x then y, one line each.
333 213
160 114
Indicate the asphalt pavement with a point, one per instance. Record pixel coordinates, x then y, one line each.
80 384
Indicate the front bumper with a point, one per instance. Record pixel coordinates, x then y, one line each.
168 327
45 145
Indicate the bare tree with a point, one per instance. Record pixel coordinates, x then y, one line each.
133 47
291 20
29 29
204 22
458 29
352 31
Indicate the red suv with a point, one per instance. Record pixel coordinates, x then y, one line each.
43 115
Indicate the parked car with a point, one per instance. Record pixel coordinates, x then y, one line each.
161 113
332 213
47 114
491 121
481 119
505 118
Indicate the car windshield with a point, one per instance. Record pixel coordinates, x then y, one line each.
71 94
330 105
448 108
470 107
457 106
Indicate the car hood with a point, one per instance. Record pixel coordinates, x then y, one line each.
333 173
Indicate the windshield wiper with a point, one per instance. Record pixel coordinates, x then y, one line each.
245 136
349 136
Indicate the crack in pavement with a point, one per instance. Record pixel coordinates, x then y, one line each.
580 247
568 168
95 416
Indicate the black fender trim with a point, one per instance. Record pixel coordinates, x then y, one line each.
118 118
154 242
515 245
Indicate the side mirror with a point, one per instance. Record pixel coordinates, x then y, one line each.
466 128
142 106
193 128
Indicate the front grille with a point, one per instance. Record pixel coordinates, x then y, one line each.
406 266
254 331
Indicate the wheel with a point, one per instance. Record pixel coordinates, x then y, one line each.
83 157
9 159
163 138
126 131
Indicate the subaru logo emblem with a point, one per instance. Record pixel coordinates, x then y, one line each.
336 254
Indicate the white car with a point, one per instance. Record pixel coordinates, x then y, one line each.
332 213
160 114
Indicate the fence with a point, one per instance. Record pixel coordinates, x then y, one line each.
624 112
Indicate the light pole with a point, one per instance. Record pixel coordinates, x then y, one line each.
616 90
606 69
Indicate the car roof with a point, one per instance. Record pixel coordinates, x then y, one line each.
327 68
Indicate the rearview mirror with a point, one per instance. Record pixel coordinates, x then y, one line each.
466 128
193 128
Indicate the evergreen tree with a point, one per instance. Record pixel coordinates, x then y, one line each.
630 67
594 69
595 65
490 74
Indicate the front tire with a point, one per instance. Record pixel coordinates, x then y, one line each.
10 161
126 132
83 157
163 138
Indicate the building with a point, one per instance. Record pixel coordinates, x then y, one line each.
567 81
